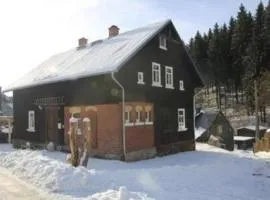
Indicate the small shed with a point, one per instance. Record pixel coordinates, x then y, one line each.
250 131
213 127
244 142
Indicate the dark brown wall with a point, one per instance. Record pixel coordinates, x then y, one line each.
86 91
166 101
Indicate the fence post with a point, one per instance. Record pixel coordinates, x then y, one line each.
86 142
73 144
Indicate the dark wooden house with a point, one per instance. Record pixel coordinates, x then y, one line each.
212 127
136 87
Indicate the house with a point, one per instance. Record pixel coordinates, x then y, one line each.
213 127
246 136
136 87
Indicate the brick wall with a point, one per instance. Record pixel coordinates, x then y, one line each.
106 126
139 137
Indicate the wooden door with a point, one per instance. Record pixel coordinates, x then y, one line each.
51 120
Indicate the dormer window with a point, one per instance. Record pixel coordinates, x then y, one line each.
140 78
162 42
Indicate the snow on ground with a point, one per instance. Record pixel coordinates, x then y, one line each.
209 173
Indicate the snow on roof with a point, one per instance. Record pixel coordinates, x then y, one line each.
198 132
242 138
96 58
251 127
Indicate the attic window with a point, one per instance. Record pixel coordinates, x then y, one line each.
162 42
140 78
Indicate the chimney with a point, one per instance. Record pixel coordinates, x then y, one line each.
113 31
82 42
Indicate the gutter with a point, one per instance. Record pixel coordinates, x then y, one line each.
123 114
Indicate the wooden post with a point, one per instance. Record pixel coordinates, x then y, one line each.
9 131
86 142
256 110
73 144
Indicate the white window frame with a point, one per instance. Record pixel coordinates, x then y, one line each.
162 42
140 78
169 77
181 85
156 75
31 121
220 129
147 117
181 119
139 111
128 110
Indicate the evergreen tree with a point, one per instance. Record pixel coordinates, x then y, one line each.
267 37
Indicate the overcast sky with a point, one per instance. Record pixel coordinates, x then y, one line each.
33 30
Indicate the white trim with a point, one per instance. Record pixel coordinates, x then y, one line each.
162 42
169 82
182 122
156 83
31 121
140 78
127 121
181 85
138 116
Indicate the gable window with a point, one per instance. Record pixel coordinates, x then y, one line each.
220 129
162 42
169 77
31 121
139 116
156 75
140 78
148 115
128 110
181 119
181 85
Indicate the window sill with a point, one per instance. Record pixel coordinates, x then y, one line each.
169 87
156 85
140 83
30 130
182 89
139 123
162 47
182 130
129 124
149 123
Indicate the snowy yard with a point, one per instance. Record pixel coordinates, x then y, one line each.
209 173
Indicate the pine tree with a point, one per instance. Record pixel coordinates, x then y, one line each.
241 38
267 37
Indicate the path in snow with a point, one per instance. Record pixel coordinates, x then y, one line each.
10 188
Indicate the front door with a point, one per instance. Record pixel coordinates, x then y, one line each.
51 121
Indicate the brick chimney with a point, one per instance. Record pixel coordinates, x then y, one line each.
82 42
113 31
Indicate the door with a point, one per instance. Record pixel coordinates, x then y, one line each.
51 122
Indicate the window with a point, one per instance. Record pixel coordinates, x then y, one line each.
31 121
140 78
148 115
181 85
220 128
156 75
181 119
139 116
162 42
169 77
127 116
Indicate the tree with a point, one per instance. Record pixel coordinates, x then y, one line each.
241 38
267 37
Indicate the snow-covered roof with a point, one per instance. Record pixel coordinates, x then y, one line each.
242 138
99 57
253 127
198 132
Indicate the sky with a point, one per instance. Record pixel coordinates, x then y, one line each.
33 30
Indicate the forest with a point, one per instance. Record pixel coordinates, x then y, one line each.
235 57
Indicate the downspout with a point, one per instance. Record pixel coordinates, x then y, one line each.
123 114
